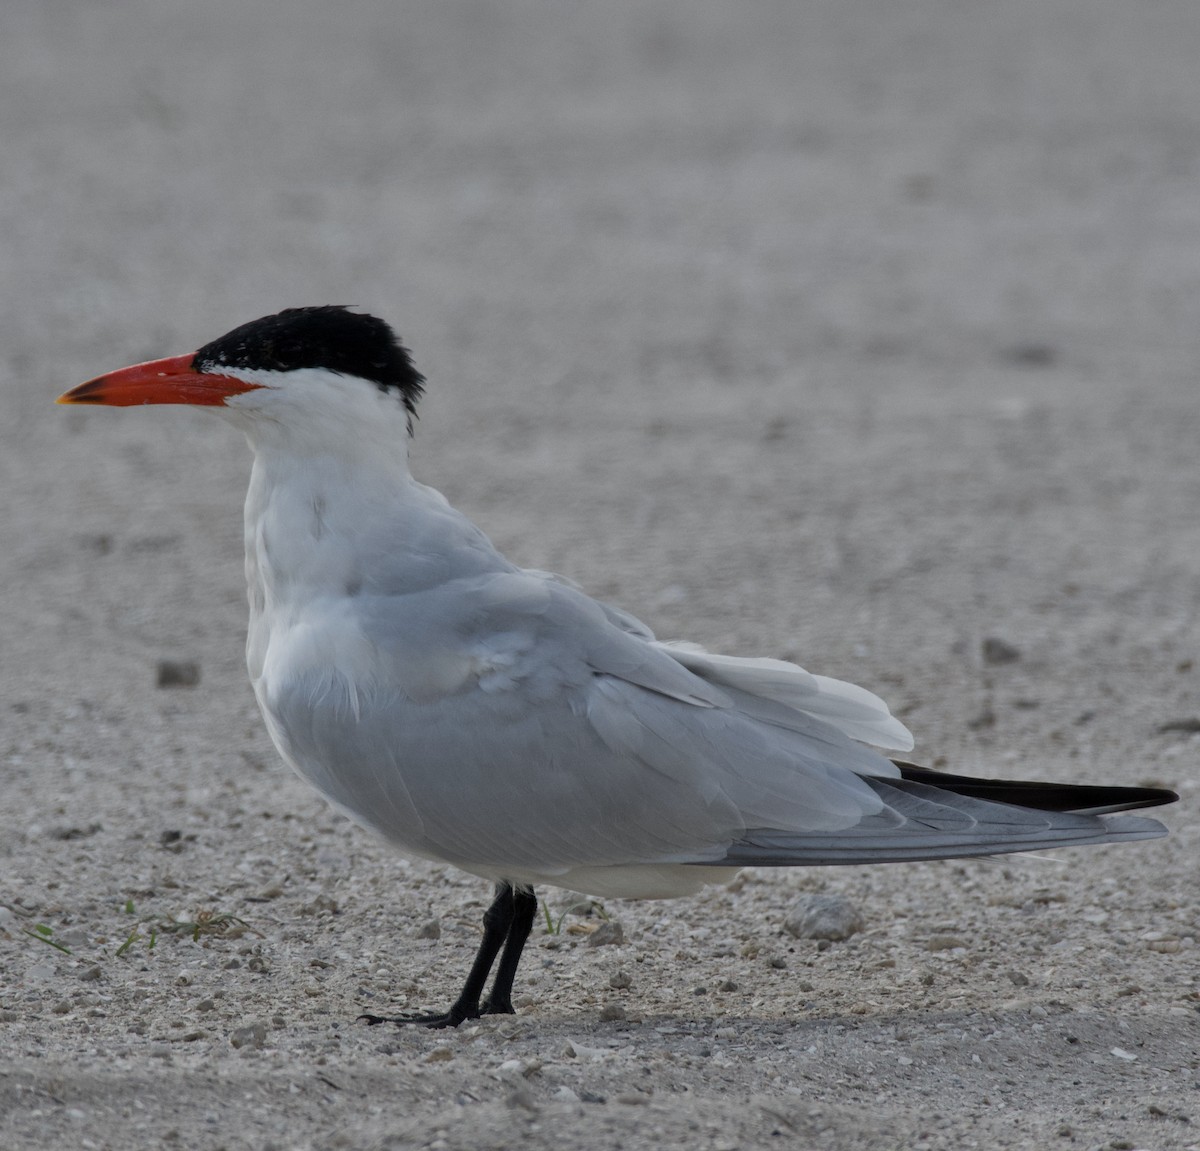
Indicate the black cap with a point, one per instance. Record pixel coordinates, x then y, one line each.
329 336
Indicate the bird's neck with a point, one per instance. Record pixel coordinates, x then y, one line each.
306 518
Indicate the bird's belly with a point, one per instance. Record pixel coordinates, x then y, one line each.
499 785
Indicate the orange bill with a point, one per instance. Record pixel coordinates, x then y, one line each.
174 380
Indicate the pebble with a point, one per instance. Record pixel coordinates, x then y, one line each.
823 917
253 1036
944 943
608 933
997 651
177 673
1160 941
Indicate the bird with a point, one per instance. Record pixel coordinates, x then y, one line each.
499 719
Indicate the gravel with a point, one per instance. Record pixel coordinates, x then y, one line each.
848 333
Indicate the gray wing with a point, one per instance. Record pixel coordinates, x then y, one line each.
509 724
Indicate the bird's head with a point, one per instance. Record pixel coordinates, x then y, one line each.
287 371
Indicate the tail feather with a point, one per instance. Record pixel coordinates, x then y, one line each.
1083 798
928 815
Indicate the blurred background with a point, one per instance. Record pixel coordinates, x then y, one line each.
852 332
857 332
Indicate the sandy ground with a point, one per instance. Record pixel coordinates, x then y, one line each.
857 333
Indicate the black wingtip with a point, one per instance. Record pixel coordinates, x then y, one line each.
1079 797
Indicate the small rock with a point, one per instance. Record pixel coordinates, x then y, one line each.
177 673
1162 941
1030 355
997 651
253 1036
322 903
68 833
1189 726
823 917
609 932
430 930
620 980
611 1013
944 943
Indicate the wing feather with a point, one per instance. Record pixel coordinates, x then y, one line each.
508 724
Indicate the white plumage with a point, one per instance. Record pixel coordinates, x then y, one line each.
501 720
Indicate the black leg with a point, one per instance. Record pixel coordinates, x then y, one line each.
506 923
499 1002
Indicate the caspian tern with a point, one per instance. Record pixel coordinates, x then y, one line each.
500 720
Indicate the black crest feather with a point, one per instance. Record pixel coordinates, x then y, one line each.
330 336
